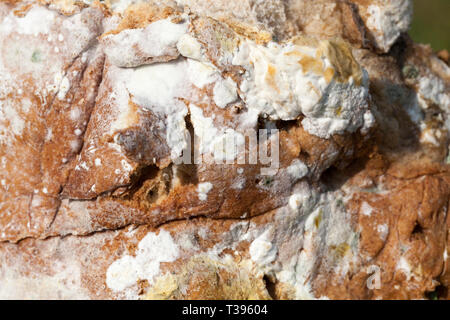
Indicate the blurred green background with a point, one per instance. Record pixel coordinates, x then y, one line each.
431 23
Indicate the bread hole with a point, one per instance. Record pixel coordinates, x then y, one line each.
335 176
270 284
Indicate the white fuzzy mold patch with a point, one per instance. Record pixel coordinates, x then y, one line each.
156 87
203 189
366 209
64 283
189 47
297 169
145 265
387 20
285 81
119 6
38 20
131 47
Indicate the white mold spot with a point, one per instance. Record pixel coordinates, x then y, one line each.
224 144
189 47
201 74
152 250
203 189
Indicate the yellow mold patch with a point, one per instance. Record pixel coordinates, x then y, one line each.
318 219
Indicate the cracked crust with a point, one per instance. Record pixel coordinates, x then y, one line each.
93 203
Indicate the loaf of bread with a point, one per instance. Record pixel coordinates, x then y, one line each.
221 149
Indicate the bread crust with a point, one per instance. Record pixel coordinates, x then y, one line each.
100 102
